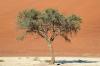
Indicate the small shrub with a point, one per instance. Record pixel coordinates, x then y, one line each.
1 60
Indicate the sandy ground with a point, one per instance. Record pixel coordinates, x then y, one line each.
39 61
85 43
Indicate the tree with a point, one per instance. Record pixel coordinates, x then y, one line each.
49 20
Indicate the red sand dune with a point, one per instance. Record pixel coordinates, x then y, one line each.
86 42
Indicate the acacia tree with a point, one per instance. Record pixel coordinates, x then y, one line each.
49 20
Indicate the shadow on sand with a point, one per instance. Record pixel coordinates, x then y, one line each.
75 61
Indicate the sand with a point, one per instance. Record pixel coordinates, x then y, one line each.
85 43
39 61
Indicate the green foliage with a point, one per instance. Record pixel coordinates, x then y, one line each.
73 22
21 37
27 17
49 20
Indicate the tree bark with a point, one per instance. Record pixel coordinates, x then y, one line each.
50 46
52 54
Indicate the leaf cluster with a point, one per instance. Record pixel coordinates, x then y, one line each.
49 20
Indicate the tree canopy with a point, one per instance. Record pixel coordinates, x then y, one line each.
49 20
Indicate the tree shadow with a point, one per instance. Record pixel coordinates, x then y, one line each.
75 61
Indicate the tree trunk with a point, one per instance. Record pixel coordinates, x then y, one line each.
50 46
52 54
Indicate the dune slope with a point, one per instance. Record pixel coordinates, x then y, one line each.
86 42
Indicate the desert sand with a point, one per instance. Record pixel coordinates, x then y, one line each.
40 61
85 43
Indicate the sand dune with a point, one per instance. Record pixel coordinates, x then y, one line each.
86 42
